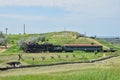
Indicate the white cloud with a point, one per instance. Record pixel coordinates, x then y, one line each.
100 7
83 10
23 17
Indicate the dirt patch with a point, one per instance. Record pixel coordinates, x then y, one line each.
3 48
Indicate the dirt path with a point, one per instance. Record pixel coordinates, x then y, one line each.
2 50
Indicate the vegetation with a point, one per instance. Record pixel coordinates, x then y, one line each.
64 57
114 40
1 61
49 58
109 44
57 38
17 42
107 70
93 74
3 40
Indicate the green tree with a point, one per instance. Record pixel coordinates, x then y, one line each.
22 43
3 40
42 38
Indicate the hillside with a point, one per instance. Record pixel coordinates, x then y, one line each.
69 66
114 40
109 44
56 38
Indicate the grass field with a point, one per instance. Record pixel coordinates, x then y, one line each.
49 58
105 70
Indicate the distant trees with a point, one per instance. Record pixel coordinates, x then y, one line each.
3 39
34 39
93 37
79 35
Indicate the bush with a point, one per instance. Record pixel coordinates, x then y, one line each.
3 40
22 42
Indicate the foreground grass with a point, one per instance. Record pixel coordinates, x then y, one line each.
1 61
106 70
90 74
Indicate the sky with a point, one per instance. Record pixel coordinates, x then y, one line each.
90 17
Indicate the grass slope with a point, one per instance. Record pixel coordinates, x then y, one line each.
56 38
109 44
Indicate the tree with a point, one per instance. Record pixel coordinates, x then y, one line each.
32 39
1 35
3 40
41 38
22 43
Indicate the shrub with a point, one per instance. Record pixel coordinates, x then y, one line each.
22 42
3 40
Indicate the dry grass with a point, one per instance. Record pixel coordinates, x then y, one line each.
47 69
60 68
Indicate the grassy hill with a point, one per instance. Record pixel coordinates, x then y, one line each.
56 38
103 70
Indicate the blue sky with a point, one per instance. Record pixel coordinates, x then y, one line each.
93 17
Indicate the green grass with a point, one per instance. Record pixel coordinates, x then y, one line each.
1 61
56 38
88 74
110 45
79 56
12 50
95 71
28 57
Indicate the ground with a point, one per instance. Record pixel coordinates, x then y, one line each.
58 69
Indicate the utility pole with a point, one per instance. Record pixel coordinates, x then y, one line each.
24 29
6 29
